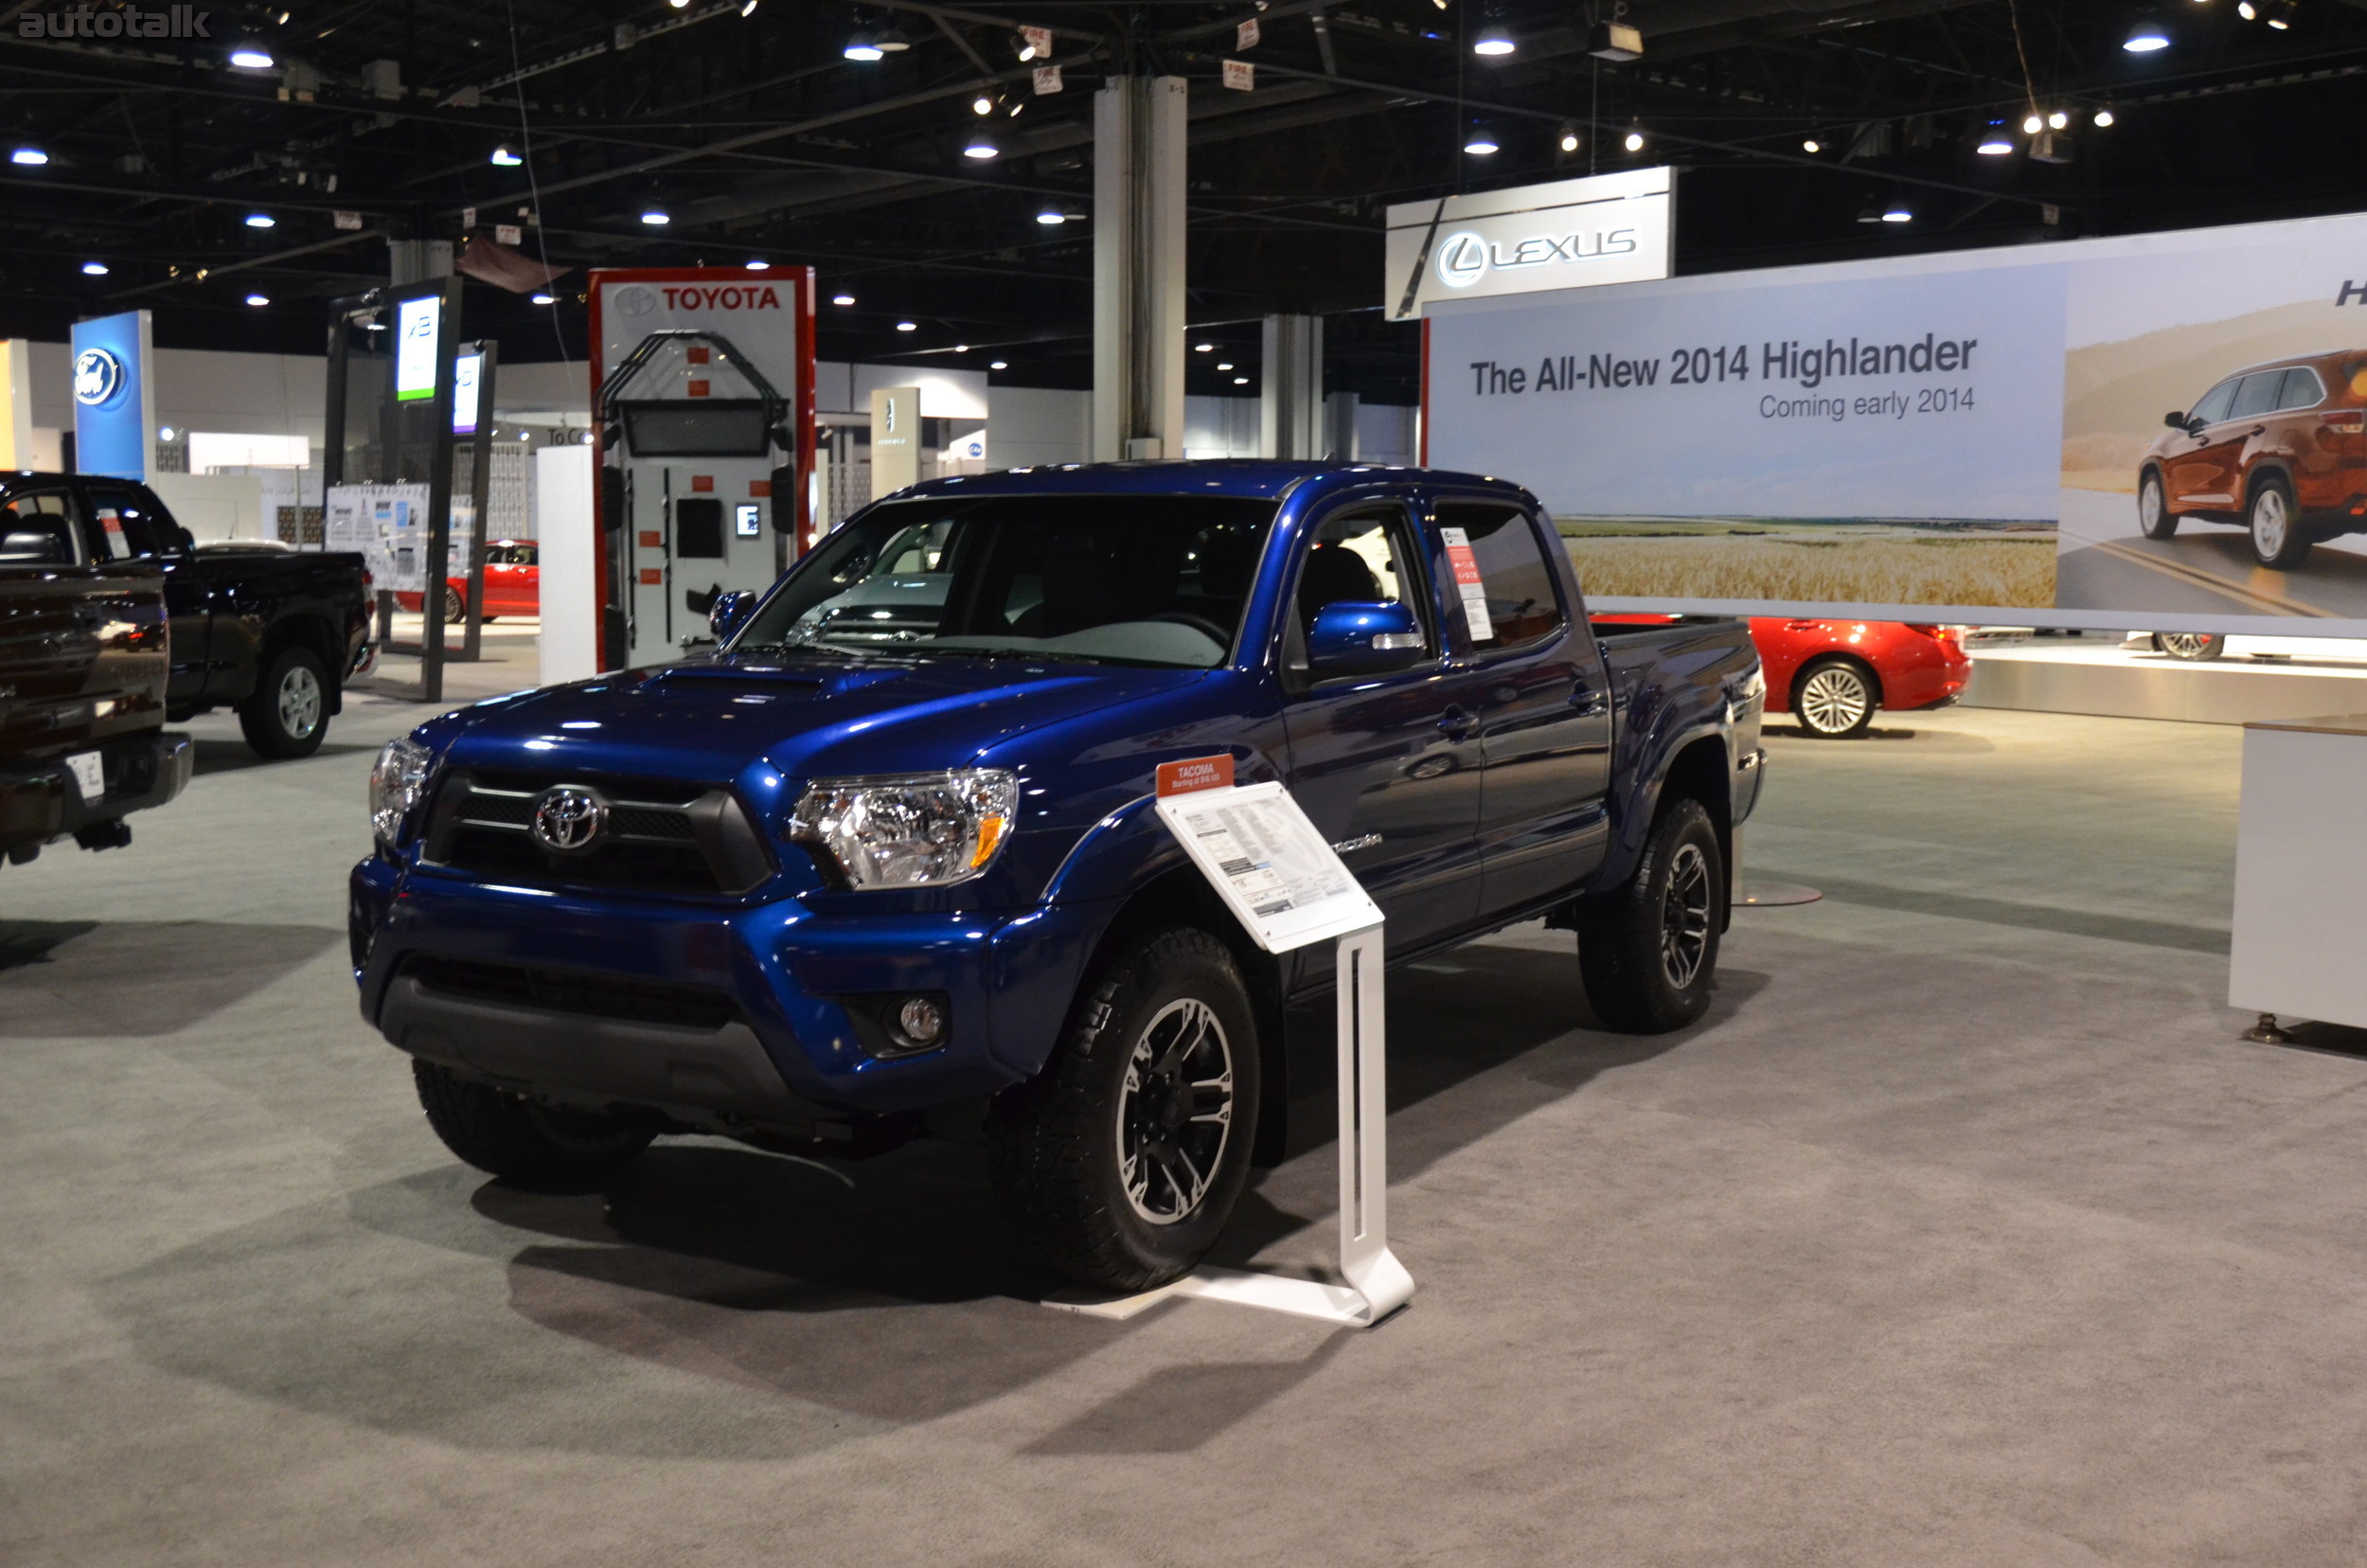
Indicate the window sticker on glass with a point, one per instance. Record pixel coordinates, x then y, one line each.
1468 585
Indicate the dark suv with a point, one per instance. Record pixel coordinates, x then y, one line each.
2277 448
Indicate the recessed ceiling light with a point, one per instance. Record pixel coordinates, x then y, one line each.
503 158
94 269
908 326
999 364
1994 145
546 299
32 157
1493 42
979 147
842 299
259 300
1203 348
251 56
961 348
261 220
1052 216
1240 381
1897 213
1480 144
1224 368
2146 36
656 217
757 263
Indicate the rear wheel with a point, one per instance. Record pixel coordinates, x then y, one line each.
2190 645
2277 539
1122 1161
1650 956
287 715
521 1140
2153 507
1835 698
455 608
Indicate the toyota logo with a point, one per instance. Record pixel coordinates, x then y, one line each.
98 375
569 820
634 300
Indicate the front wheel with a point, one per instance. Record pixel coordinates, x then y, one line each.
2153 508
519 1140
2277 539
1835 700
2190 645
1122 1161
1650 956
287 716
455 608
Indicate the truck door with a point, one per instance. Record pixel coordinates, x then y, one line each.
48 648
1543 701
130 524
1387 768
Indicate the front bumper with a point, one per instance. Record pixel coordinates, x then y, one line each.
40 801
752 1013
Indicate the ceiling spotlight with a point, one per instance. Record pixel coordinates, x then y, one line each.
1224 368
1569 140
1026 50
749 9
2147 35
865 47
757 263
1493 42
258 299
1994 143
982 104
94 269
1203 348
2032 123
2278 13
2058 121
678 5
961 348
1635 140
842 299
251 56
1897 213
1811 145
261 220
1480 144
979 147
546 299
999 364
503 158
1052 216
2245 9
2104 117
164 433
32 157
656 217
1240 381
908 326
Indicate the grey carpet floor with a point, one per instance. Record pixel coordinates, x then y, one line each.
1966 1231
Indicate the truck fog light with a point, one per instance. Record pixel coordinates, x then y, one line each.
920 1021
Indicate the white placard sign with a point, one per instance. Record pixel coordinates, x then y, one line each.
1564 234
387 524
1266 860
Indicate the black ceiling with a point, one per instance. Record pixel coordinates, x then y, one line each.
759 140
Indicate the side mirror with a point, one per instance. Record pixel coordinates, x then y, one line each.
784 506
726 614
1355 637
2175 420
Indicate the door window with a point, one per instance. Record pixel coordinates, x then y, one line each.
2258 395
1517 602
1363 557
2213 406
2302 389
127 527
37 528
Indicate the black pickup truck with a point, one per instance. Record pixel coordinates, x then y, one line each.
272 634
84 659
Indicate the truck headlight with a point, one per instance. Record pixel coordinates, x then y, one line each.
397 784
912 830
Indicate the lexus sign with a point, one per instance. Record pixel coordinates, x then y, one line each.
1570 233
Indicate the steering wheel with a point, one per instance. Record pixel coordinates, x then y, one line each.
1201 624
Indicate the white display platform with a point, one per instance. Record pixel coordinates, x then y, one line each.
1289 889
2051 676
2300 873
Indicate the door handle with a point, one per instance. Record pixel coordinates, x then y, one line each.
1589 702
1457 723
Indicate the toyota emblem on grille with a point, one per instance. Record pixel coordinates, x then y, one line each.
569 820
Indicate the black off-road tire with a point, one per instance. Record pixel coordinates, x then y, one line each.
1625 947
287 715
1056 1144
2154 518
550 1148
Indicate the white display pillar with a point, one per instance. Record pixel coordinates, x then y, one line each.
1274 871
1139 131
1291 394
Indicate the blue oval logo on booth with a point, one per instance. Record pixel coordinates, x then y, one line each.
98 376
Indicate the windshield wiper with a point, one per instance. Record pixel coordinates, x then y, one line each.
999 652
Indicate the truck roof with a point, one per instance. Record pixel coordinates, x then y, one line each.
1246 477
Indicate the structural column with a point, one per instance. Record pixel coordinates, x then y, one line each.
1138 268
1290 401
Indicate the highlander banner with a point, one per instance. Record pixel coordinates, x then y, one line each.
1948 437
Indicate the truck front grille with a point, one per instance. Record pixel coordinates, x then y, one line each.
661 835
574 991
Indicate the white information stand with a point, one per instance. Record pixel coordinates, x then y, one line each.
1276 873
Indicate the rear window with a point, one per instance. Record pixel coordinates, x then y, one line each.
126 525
2258 394
2302 389
1517 603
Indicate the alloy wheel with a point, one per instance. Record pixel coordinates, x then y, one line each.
1834 699
1684 920
2270 522
300 702
1176 1112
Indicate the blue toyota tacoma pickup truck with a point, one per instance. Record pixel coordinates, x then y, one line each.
886 862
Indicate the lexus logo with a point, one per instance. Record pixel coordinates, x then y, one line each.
569 820
1466 258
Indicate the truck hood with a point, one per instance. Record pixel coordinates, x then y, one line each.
709 721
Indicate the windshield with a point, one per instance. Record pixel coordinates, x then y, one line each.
1138 580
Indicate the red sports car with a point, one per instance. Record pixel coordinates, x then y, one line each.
1832 674
513 584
